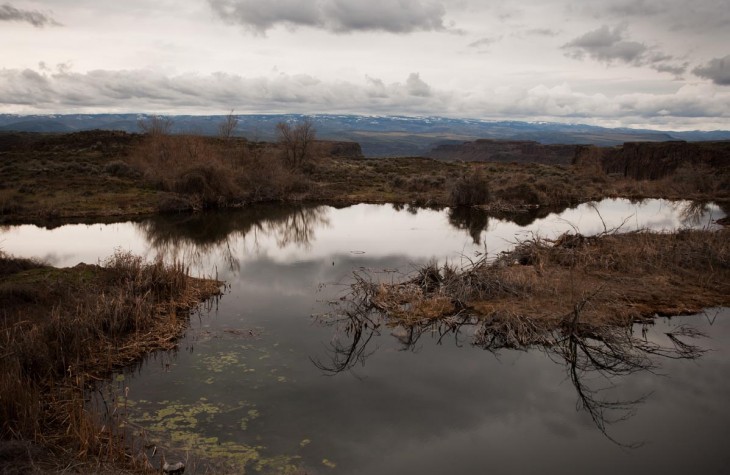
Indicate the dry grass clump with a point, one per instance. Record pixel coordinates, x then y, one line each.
542 283
265 177
684 253
78 324
471 189
209 173
188 165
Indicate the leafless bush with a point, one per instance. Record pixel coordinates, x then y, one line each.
297 142
189 165
266 177
469 190
227 128
155 125
524 193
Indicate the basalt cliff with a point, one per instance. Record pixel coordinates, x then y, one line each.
653 161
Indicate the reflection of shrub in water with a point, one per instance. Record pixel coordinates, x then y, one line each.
586 349
193 236
574 297
691 213
472 220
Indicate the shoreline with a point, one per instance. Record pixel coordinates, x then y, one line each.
65 329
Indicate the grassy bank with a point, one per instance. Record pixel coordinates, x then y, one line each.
99 174
602 281
63 330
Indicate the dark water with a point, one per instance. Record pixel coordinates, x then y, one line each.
274 380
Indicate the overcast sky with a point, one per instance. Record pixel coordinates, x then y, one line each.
657 63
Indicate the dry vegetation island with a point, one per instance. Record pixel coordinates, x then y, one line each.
64 329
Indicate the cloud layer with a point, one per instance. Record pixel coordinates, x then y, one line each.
338 16
611 45
621 62
34 17
669 15
142 90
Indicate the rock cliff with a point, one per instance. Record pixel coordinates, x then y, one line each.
652 161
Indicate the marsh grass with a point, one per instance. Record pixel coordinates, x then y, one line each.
64 329
616 278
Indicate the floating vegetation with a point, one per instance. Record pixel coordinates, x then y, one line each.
218 362
224 436
180 427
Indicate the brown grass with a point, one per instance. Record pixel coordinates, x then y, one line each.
615 279
212 173
62 329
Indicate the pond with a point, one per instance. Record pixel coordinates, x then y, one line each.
273 379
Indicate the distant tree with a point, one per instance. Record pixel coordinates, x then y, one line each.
227 128
297 141
155 125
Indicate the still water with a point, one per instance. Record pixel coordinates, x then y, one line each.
272 379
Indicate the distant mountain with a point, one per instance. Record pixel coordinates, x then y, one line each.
378 136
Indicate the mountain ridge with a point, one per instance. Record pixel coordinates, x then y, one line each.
379 136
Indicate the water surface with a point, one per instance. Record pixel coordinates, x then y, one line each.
259 383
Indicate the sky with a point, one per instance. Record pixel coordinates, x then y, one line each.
662 64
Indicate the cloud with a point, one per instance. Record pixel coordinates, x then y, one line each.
717 69
416 86
337 16
667 15
629 8
606 45
611 45
144 90
483 42
542 32
60 90
677 69
34 17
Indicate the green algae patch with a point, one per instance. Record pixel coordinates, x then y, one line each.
184 427
217 363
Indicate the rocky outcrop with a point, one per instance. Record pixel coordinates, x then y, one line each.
652 161
506 151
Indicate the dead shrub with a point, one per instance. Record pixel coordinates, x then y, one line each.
172 203
469 190
210 183
266 177
524 193
187 165
626 276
